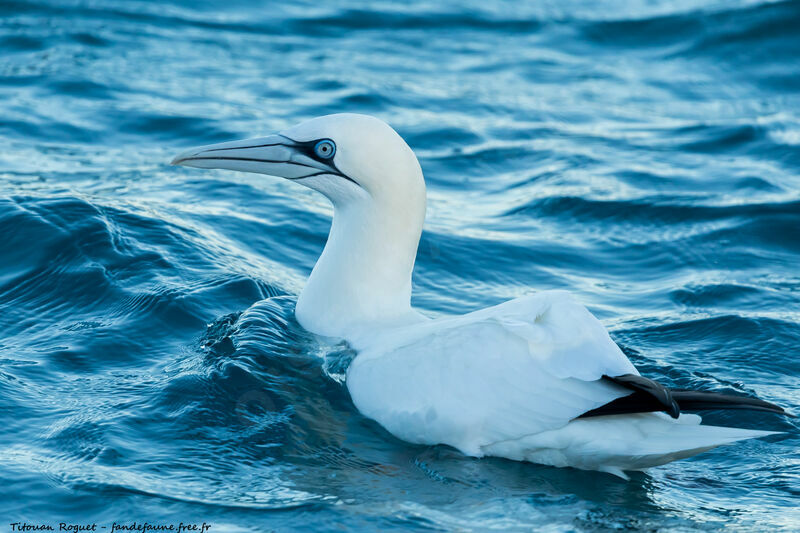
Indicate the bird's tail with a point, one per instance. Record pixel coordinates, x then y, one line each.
663 441
638 441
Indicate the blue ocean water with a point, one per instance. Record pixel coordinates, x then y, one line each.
644 155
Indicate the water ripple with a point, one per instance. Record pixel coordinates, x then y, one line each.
643 155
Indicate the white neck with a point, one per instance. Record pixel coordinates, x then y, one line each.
362 279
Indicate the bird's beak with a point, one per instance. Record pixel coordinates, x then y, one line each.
275 155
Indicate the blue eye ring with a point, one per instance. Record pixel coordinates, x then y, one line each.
325 149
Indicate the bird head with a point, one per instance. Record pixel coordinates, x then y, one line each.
347 157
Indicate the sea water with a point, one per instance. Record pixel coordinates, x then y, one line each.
643 155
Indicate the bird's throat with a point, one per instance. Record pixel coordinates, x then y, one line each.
362 280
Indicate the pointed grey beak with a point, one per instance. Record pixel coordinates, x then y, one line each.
275 155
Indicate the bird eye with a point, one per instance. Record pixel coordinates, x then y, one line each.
325 149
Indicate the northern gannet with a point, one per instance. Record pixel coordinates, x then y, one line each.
536 378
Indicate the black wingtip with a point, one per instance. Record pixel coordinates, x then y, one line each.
699 400
651 388
648 396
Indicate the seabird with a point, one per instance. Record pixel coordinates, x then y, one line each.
535 379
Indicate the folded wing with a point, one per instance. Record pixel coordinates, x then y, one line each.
529 365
